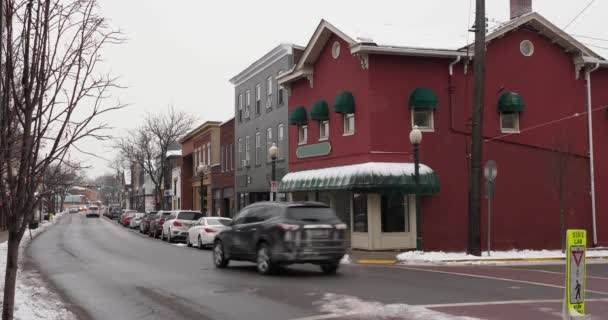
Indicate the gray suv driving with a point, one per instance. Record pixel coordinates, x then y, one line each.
272 234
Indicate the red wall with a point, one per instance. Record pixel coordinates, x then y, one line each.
599 83
526 211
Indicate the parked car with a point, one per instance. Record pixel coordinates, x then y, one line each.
136 220
177 224
115 212
156 226
272 234
93 211
144 226
123 215
203 232
73 210
126 218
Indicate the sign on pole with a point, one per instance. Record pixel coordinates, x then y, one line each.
490 171
576 272
274 186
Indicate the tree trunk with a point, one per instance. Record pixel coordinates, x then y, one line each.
10 277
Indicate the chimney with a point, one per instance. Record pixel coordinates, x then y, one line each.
520 7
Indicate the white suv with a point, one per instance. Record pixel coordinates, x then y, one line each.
176 226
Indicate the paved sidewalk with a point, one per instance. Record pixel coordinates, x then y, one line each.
373 257
3 236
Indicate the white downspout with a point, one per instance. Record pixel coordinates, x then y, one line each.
591 160
454 63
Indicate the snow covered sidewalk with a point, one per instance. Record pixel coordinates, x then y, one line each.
33 299
495 256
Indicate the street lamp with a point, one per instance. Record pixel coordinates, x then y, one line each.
273 151
201 170
415 139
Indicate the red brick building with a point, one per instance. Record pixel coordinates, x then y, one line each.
353 104
223 173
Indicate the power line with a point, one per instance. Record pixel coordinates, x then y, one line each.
579 14
595 46
588 37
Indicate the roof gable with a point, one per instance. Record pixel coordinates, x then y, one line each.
317 42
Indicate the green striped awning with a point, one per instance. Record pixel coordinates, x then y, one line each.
423 98
319 111
344 103
298 116
371 177
511 102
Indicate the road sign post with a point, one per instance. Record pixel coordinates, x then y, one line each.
576 283
490 171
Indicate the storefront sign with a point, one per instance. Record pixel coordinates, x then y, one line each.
313 150
576 275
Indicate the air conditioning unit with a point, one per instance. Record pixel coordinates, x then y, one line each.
245 163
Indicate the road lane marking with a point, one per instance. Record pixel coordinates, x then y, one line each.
497 278
483 303
553 272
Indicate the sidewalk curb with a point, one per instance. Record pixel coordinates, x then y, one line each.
392 262
376 261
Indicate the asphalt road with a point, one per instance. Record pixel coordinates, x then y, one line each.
108 272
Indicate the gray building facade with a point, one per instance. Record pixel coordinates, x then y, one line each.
261 118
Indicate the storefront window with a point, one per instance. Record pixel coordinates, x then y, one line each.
394 214
359 212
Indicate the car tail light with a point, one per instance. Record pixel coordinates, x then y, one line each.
289 227
161 222
177 224
341 226
210 230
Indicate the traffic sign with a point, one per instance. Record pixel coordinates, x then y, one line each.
274 186
576 275
490 171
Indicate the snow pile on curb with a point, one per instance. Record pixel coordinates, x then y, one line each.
355 308
345 260
33 300
438 256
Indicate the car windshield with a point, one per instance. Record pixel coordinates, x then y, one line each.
189 215
164 215
218 222
139 215
93 208
130 215
313 214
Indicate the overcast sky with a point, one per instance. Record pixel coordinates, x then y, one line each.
183 52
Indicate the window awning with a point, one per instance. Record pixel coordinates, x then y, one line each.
320 111
371 177
298 116
511 102
344 103
423 98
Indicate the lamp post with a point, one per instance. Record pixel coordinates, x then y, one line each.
201 170
415 139
273 151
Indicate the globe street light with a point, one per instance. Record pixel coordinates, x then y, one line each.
201 170
415 139
273 151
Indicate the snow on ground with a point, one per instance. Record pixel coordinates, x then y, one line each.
439 256
33 299
346 259
355 308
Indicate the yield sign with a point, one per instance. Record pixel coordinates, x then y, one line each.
577 255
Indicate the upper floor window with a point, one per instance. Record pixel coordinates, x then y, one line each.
349 123
281 139
209 153
258 98
240 113
323 130
247 103
258 142
240 153
247 156
280 92
231 157
423 119
268 142
509 122
269 89
222 159
302 134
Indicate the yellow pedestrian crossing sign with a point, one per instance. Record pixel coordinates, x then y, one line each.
576 275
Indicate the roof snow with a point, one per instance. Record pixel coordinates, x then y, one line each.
174 153
369 168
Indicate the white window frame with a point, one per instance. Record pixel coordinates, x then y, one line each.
209 153
247 149
269 84
350 130
258 145
268 142
323 124
431 119
258 99
302 134
240 153
247 103
510 130
240 107
222 159
280 139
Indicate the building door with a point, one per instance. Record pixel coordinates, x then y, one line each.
227 209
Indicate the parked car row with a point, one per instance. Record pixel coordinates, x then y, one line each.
270 234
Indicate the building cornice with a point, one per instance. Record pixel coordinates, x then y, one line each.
264 62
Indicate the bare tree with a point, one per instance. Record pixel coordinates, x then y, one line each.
147 146
58 179
51 98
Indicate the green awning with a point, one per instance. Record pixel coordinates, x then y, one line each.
371 177
298 116
344 103
320 111
511 102
423 98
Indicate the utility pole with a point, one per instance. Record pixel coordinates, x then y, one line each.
474 235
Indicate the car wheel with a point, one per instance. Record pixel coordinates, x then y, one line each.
150 234
169 239
330 267
219 255
264 264
200 243
188 244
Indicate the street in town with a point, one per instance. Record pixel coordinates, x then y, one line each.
106 271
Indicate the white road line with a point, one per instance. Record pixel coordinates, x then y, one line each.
554 272
472 304
497 278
